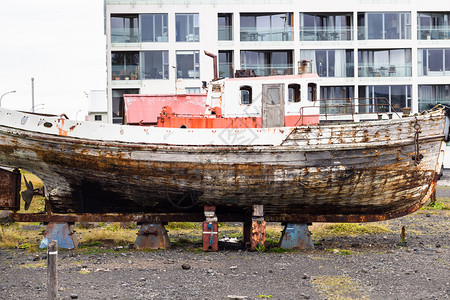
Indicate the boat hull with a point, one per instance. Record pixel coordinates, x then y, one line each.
344 172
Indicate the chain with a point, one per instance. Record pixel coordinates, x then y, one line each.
417 156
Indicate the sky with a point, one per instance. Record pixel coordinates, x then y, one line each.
61 44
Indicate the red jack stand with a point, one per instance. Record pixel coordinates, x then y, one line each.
210 238
255 231
152 236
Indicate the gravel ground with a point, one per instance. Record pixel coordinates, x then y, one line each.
376 267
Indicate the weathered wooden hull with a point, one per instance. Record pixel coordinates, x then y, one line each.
339 172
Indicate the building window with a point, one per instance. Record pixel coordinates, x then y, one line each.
188 64
97 117
118 107
433 26
433 62
384 26
294 92
326 27
225 27
193 90
384 63
330 63
125 65
124 29
266 27
266 63
155 64
187 27
246 94
226 63
430 95
384 98
154 27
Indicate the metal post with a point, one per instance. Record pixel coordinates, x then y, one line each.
255 231
52 275
32 94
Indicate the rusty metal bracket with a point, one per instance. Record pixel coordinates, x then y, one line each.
296 236
152 236
61 232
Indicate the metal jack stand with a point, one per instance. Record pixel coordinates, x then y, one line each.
296 236
61 232
255 231
152 236
210 238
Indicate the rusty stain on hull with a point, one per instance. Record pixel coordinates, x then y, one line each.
320 173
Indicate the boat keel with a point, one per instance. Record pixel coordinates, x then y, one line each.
61 232
152 236
296 236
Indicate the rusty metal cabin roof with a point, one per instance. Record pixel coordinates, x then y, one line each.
145 109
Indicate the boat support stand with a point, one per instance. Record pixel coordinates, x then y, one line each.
152 236
296 236
61 232
255 230
210 227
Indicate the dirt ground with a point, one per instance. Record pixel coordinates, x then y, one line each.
365 266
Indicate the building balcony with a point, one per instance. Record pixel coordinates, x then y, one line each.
309 33
269 70
397 70
251 34
436 33
225 33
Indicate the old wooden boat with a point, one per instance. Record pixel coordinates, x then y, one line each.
283 158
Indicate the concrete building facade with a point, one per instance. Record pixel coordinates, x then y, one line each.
398 49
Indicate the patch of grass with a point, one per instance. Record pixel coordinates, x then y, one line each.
41 264
437 205
106 235
183 225
338 287
340 251
348 229
280 250
13 237
265 296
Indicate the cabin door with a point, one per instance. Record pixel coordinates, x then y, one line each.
273 105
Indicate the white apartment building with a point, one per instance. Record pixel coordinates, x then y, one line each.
398 49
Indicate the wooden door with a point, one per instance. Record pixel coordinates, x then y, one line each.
273 105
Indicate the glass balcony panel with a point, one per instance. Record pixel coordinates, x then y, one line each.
125 35
311 33
397 70
226 70
270 70
225 33
436 33
251 34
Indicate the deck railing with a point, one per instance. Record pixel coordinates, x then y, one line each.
346 109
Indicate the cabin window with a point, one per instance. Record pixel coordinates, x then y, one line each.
294 92
246 94
312 91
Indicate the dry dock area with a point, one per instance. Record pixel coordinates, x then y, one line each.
362 266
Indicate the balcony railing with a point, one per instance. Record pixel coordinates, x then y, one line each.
225 33
311 33
366 70
265 70
251 34
120 35
125 72
226 70
437 33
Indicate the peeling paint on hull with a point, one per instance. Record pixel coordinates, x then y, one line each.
341 172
